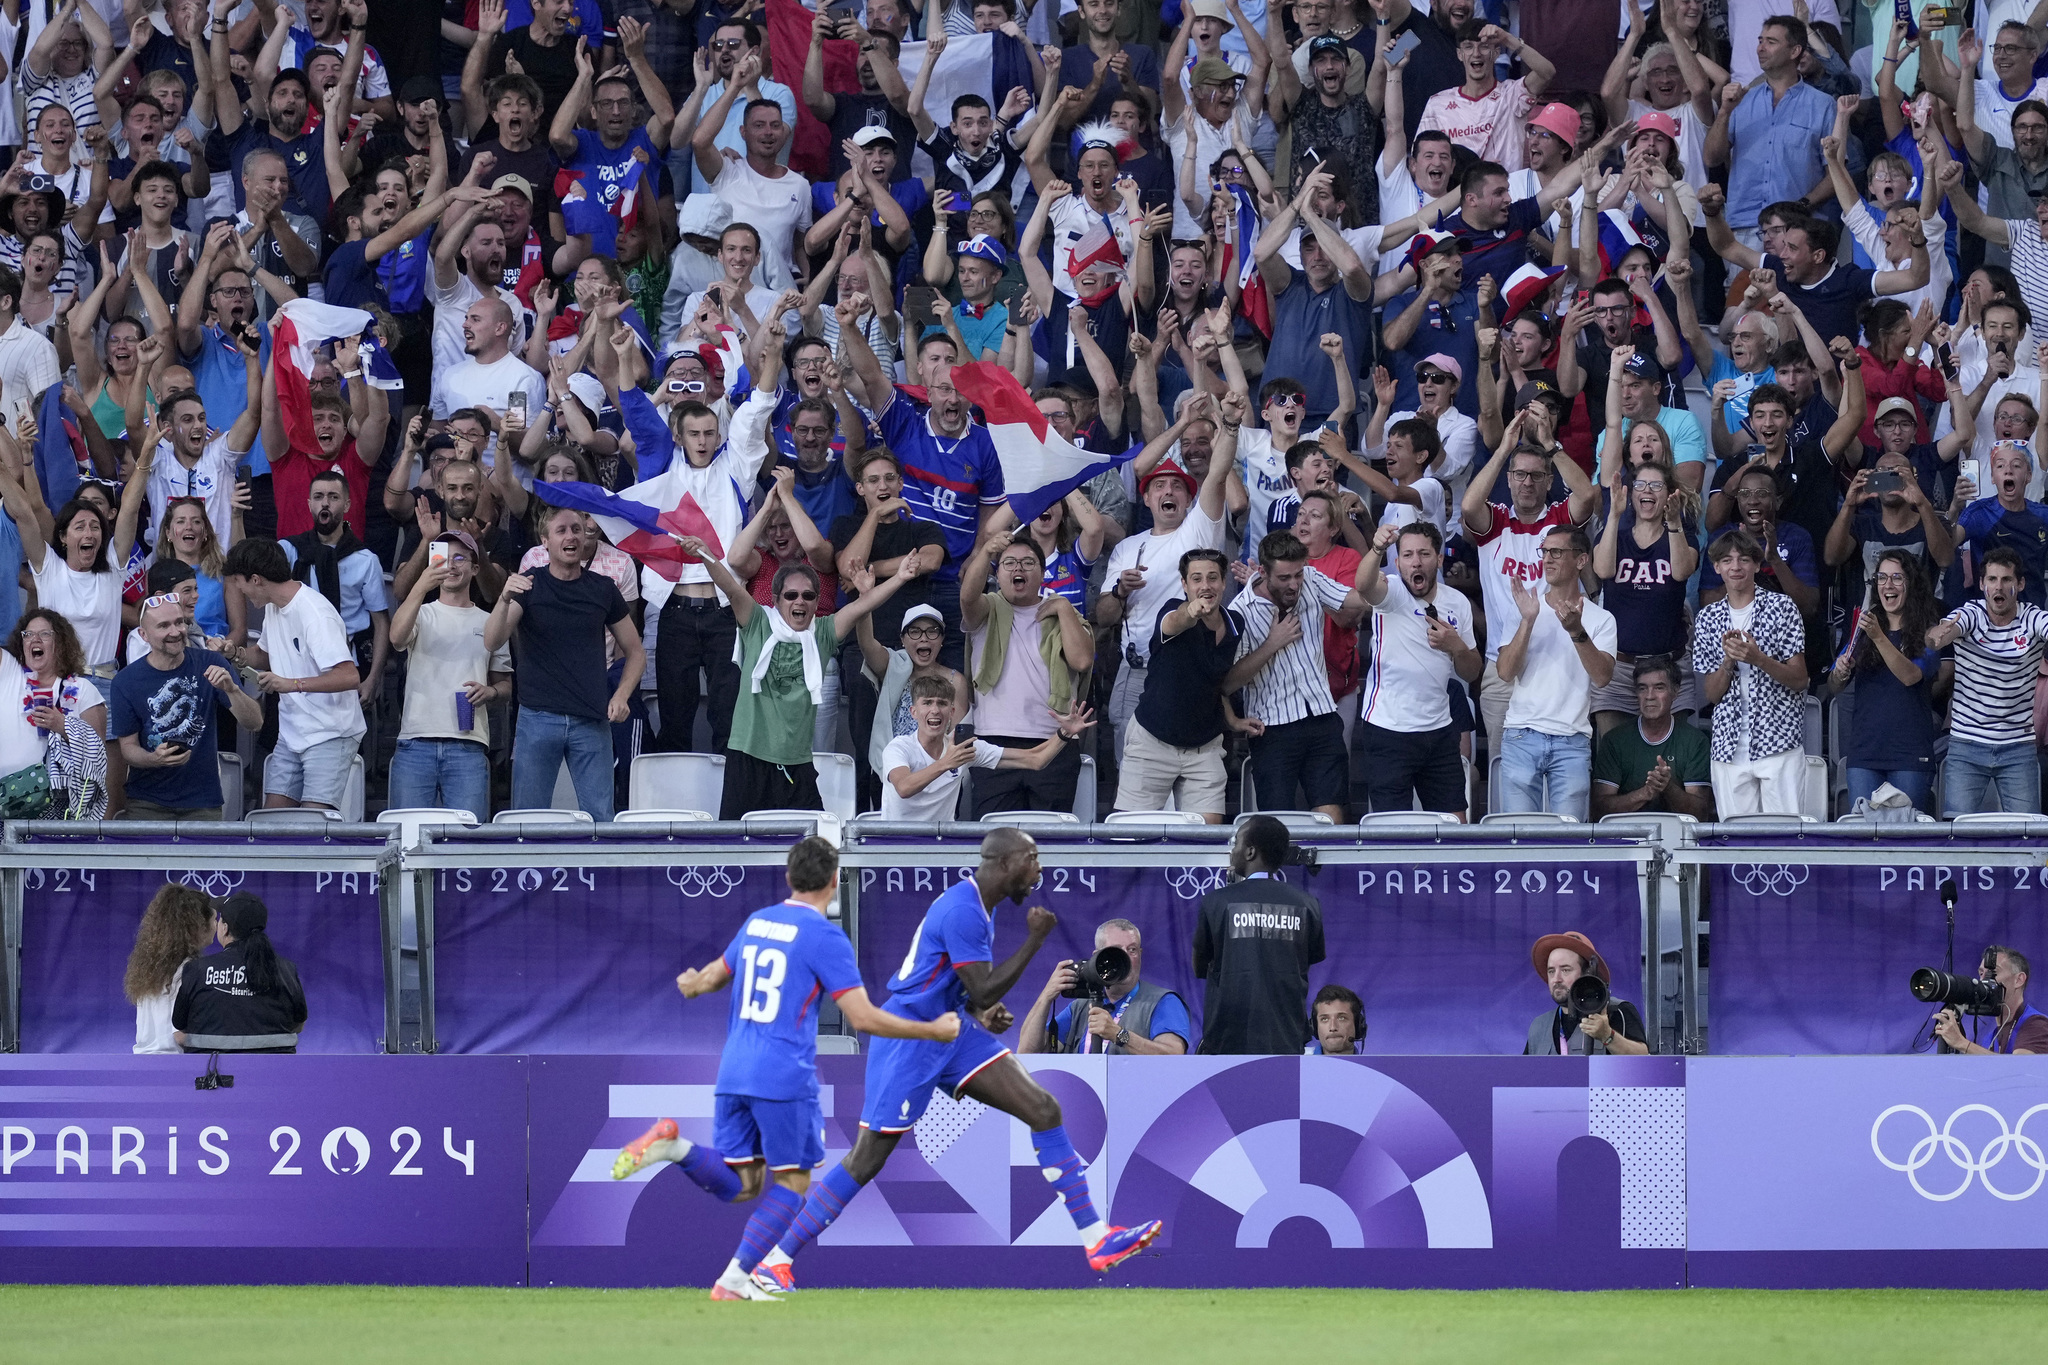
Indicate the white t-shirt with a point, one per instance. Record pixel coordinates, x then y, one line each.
1490 125
1460 437
475 385
1553 694
451 305
304 638
1514 549
1159 556
1526 184
1435 510
28 365
1406 680
1692 136
448 651
1211 143
153 1030
211 477
1070 220
91 602
1743 619
1994 106
21 744
776 208
937 801
1263 467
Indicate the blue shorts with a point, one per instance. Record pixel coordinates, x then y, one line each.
902 1072
788 1134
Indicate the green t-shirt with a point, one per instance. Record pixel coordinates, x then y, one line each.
775 723
1625 757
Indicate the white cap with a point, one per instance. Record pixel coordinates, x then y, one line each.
923 611
589 391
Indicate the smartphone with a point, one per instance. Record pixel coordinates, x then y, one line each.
437 554
1967 469
1884 481
1940 16
515 401
917 303
1403 45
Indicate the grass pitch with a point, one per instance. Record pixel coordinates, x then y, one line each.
851 1327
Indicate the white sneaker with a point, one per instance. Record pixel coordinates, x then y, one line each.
735 1284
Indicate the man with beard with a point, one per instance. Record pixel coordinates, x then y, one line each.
880 101
282 130
333 562
447 501
1561 1031
1900 516
1330 295
335 24
202 464
1097 68
358 273
1998 644
762 190
161 711
1423 638
1173 741
469 264
733 59
1434 64
492 377
618 153
350 456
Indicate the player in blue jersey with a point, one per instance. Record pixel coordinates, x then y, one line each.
951 968
767 1120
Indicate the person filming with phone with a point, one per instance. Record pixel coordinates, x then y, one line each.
1105 1006
2001 985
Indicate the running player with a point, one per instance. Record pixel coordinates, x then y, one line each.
767 1111
951 967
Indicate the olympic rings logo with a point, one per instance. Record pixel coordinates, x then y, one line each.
715 882
1779 879
215 884
1192 883
1974 1166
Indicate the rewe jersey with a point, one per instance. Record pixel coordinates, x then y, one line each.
955 930
781 960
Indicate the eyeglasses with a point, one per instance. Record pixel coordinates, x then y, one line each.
923 632
991 214
1882 578
1613 310
233 292
1649 485
1557 551
45 635
1997 49
1016 562
1530 475
800 596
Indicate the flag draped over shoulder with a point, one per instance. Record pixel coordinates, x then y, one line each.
642 519
1040 466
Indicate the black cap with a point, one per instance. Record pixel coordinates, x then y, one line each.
420 89
1643 365
1328 42
1541 384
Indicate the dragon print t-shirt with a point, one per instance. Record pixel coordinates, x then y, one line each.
163 707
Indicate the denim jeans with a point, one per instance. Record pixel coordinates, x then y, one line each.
454 773
1974 767
1533 763
1917 783
542 741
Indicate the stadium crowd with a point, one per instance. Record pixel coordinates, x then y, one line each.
1493 405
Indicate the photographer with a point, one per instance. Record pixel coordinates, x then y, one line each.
1135 1019
1562 1030
1254 943
244 998
1339 1022
2022 1030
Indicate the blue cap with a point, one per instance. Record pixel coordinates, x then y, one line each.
984 246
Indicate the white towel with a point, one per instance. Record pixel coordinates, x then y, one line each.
779 632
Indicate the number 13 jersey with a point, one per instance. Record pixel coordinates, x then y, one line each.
783 958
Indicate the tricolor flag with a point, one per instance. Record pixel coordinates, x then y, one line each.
297 331
1253 302
380 371
641 520
1039 465
1617 237
1525 287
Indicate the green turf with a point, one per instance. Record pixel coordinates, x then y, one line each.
850 1327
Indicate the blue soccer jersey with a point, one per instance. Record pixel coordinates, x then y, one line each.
782 960
955 930
946 480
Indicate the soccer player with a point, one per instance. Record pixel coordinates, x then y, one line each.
951 969
767 1113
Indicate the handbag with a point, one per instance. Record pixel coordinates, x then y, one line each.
25 794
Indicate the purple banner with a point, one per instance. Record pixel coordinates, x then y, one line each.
1868 1171
567 959
78 926
1439 952
1815 959
309 1169
1458 1171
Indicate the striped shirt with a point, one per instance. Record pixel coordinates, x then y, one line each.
1995 669
1295 683
2030 265
73 92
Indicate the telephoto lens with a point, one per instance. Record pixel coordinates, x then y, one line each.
1966 993
1589 995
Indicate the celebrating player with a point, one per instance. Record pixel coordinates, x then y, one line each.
950 968
767 1114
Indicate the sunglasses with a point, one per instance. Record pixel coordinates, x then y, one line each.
800 597
1288 400
1431 377
727 44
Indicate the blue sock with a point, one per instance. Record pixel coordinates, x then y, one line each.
827 1200
706 1166
778 1208
1062 1168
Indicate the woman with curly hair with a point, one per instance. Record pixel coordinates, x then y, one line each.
175 926
1894 676
62 709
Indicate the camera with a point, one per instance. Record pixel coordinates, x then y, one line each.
1969 994
1094 976
1589 996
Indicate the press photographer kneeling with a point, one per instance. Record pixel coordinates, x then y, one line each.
1999 988
1584 1020
244 998
1109 1007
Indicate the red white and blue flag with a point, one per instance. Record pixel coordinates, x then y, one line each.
1253 302
1040 466
642 520
297 332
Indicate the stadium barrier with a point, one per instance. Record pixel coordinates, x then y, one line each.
1463 1172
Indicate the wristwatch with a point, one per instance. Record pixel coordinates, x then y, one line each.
1122 1036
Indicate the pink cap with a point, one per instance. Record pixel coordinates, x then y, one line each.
1559 120
1654 122
1443 362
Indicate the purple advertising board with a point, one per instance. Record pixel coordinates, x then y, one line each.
392 1170
78 926
1278 1170
1815 959
1854 1171
1398 934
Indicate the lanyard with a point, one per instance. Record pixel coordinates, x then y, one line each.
1116 1017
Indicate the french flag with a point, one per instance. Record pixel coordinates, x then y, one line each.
1040 466
1252 300
1617 237
642 520
297 332
1525 287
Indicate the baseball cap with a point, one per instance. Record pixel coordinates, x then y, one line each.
1170 468
983 247
1892 405
873 133
1541 384
588 390
420 89
1445 363
465 540
1654 122
1328 42
1643 365
1560 121
923 611
514 182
